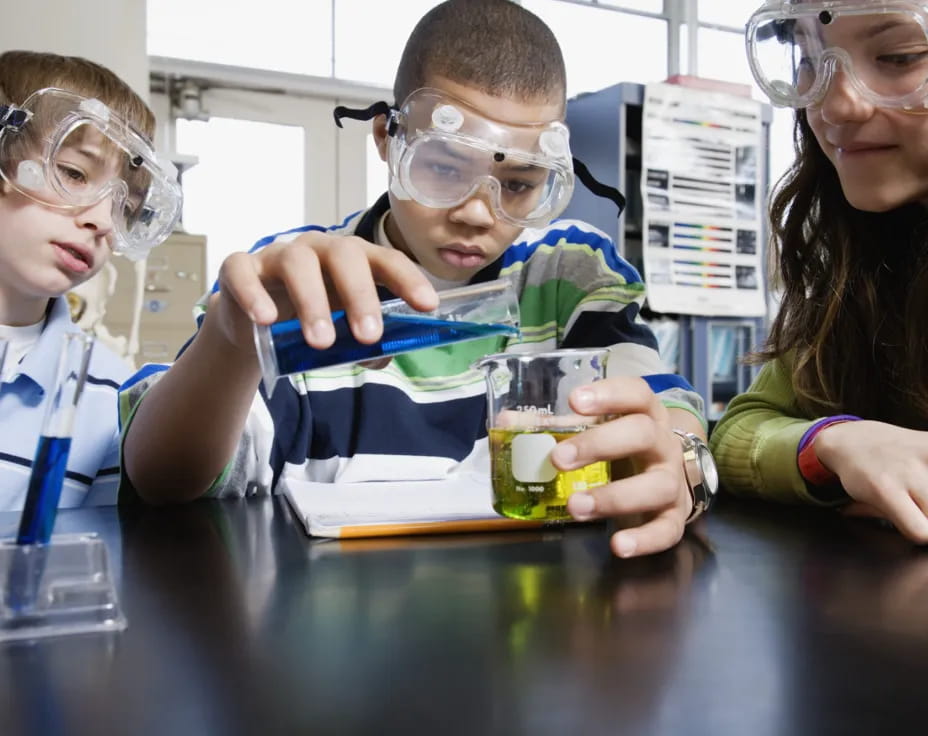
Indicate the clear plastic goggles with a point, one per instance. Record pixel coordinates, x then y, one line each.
795 47
442 152
67 151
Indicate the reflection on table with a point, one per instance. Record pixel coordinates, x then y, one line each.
763 620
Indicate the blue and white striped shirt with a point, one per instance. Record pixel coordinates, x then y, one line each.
93 463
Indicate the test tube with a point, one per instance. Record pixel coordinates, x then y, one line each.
489 309
51 455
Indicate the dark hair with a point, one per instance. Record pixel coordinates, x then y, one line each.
24 72
855 295
494 45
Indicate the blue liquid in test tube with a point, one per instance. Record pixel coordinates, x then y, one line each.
472 312
48 468
51 457
401 333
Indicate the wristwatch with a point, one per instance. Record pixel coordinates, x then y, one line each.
700 472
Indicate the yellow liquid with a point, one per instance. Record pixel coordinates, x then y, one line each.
533 498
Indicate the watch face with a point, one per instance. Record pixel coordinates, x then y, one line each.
710 473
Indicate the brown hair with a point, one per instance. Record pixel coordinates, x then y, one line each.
24 72
855 296
495 45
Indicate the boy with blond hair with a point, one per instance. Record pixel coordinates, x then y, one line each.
78 181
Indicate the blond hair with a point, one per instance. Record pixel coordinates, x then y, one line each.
24 72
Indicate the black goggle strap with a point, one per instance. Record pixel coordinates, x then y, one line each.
12 117
382 108
368 113
597 187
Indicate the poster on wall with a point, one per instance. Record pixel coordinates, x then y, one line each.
703 199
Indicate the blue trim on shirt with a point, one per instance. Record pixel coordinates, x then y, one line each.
522 251
596 329
27 463
149 369
393 424
665 381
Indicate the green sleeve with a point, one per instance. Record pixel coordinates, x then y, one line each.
756 441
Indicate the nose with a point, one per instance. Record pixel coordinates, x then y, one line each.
841 103
97 217
475 211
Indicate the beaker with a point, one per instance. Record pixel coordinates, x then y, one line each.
527 415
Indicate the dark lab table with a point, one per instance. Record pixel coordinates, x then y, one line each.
763 621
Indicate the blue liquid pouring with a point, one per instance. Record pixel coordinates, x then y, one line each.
48 468
401 333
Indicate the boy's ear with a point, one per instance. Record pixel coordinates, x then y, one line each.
379 128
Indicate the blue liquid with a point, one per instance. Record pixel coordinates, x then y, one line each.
401 333
48 468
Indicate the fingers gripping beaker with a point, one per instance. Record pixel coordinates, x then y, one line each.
528 413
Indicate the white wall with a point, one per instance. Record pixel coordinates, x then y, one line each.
109 32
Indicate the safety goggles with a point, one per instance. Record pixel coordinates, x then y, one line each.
443 152
795 48
71 152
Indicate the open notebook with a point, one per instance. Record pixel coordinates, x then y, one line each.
460 503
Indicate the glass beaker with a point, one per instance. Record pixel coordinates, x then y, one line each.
527 415
489 309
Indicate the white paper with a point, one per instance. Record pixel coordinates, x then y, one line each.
325 507
702 193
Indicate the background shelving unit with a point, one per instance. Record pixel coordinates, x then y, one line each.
606 134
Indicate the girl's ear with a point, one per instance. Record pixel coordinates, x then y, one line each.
379 128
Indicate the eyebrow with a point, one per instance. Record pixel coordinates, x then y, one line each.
522 167
91 154
97 157
446 149
883 27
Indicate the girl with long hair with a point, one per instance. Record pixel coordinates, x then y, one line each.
838 414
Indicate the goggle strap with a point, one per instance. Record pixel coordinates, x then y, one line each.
367 113
12 117
597 187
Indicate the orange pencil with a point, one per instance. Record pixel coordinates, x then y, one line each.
436 527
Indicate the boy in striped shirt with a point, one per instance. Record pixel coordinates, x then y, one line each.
479 167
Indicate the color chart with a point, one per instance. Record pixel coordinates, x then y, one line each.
702 191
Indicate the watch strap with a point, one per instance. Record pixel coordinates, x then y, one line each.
698 493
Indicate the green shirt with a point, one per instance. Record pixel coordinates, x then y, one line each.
755 444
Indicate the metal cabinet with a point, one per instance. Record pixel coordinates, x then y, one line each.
174 278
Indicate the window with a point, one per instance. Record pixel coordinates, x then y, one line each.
378 176
722 56
648 6
370 36
603 47
236 199
731 14
281 35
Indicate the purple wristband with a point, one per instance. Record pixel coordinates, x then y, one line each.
820 425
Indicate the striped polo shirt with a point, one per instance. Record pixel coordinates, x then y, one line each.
93 463
423 417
